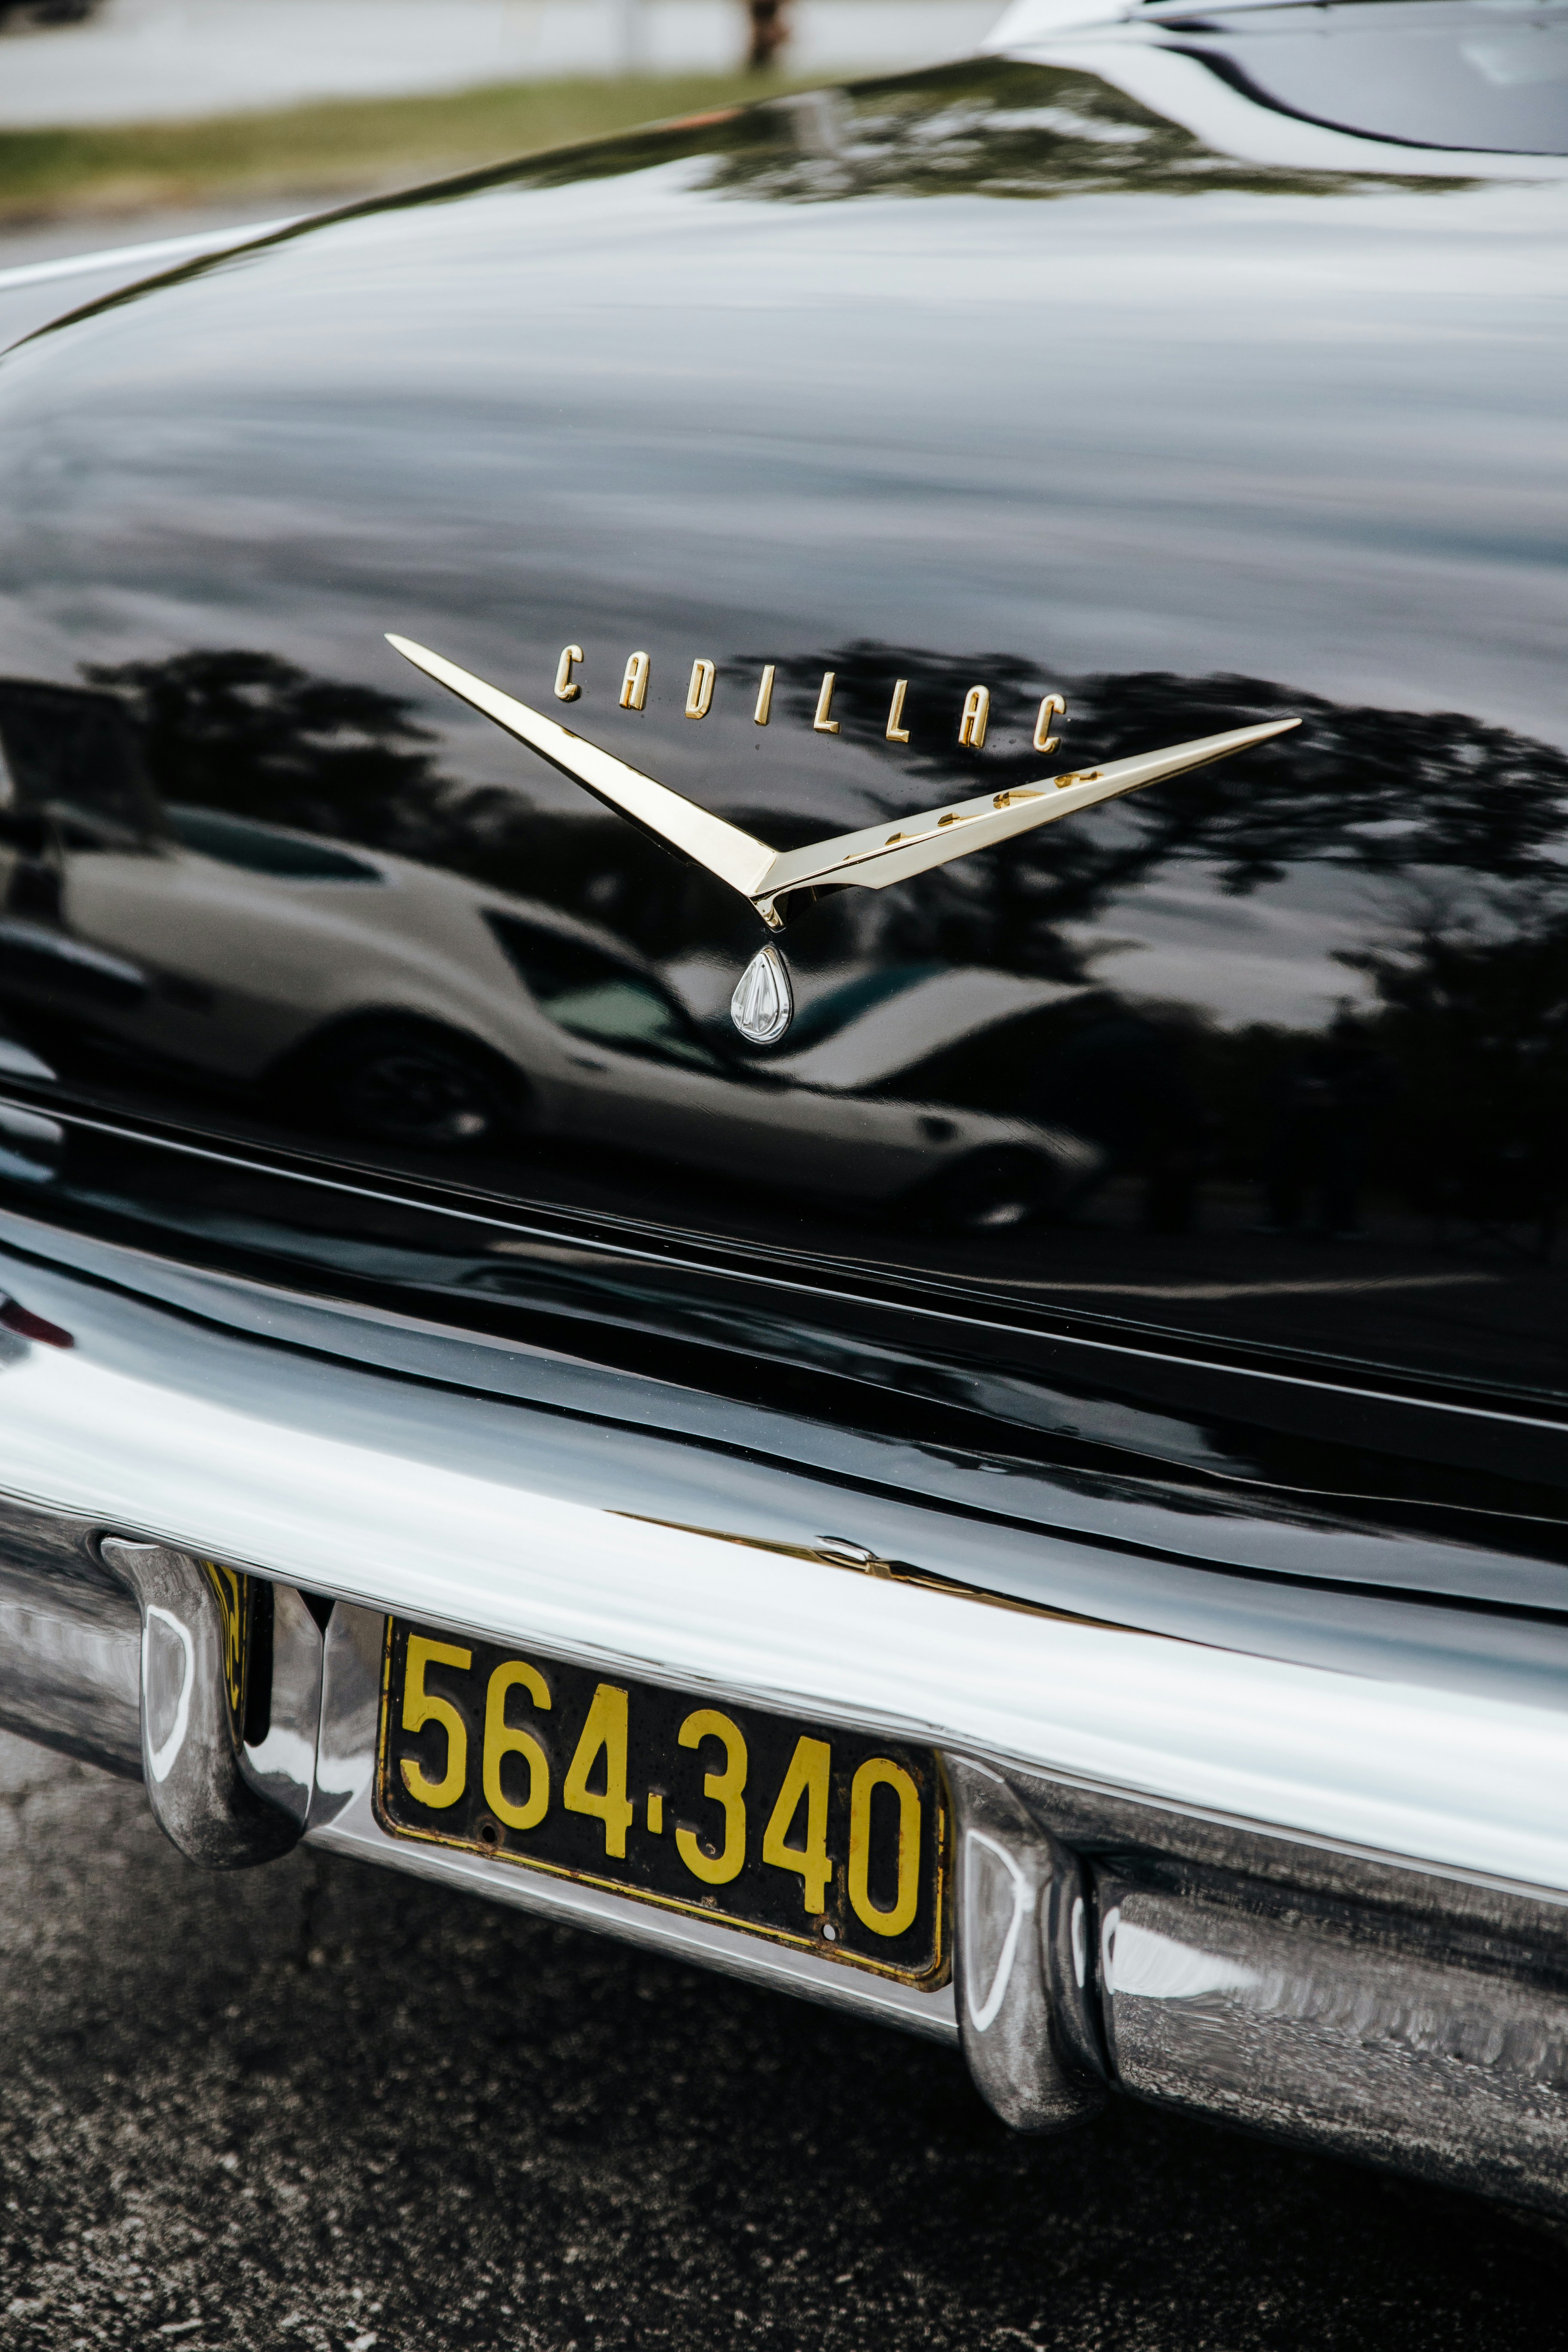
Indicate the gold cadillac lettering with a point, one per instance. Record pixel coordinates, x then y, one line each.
971 725
869 859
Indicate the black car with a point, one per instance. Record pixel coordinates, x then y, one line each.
1017 609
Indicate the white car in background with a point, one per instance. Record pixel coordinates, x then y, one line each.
410 1004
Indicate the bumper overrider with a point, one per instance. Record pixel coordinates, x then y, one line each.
1329 1900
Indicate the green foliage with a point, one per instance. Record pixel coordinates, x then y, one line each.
345 147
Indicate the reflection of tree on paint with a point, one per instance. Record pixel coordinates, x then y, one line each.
981 127
1468 1040
1121 1081
1473 1009
1329 1101
1448 1092
246 734
250 735
1377 791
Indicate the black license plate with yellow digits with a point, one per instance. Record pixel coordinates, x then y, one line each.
811 1836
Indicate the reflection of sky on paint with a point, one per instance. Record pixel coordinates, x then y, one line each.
1310 439
1265 957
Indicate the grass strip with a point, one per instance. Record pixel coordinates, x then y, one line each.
341 148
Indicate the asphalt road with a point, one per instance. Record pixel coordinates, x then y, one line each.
321 2105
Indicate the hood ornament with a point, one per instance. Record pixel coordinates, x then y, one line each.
869 859
763 1003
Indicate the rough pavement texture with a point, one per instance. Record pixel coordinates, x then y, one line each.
321 2106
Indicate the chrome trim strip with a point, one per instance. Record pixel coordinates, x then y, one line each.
394 1494
357 1834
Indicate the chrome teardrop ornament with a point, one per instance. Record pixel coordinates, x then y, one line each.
763 1003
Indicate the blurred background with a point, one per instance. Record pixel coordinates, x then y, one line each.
142 120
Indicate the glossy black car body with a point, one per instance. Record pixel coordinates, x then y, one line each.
1222 1145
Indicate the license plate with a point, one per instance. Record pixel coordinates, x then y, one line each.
824 1839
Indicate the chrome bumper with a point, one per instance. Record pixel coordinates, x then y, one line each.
1330 1898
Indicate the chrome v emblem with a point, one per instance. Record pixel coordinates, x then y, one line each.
868 860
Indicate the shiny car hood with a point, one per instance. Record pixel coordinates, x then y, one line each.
988 376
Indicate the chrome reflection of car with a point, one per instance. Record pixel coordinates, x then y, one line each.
785 1100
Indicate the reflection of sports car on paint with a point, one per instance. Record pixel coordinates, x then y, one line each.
411 1006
